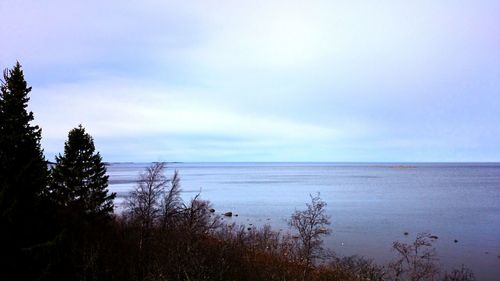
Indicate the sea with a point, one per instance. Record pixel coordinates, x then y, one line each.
371 205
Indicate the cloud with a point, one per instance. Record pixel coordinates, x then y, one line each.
269 80
117 109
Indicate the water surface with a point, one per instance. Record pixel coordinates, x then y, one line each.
371 205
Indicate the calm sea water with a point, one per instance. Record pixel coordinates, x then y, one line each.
371 205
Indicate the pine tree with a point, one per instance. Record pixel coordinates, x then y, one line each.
79 189
23 171
79 181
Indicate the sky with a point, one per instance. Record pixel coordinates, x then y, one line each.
356 81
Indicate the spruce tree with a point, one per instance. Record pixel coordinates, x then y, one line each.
23 171
79 181
79 189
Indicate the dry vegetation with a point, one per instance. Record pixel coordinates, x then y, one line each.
58 224
162 238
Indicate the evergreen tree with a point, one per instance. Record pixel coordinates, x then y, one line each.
79 189
23 171
79 181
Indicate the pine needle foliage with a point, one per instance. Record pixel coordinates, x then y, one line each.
23 177
79 181
23 169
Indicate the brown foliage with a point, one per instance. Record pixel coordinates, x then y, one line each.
195 245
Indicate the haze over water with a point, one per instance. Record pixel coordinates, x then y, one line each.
370 204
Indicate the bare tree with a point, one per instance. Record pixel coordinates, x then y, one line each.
312 225
362 268
172 201
144 202
462 274
416 261
196 217
144 210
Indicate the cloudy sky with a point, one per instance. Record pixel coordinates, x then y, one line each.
263 80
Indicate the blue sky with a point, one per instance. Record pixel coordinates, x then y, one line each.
263 80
